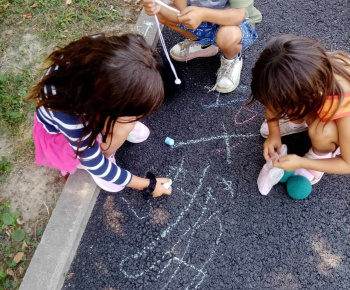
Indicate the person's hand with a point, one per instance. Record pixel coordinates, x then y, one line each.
289 162
191 17
151 7
272 146
160 189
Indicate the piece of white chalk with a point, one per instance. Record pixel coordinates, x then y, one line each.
167 6
169 141
168 184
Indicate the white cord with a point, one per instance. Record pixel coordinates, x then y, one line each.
177 80
167 6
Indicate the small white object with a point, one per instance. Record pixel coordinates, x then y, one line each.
168 184
161 38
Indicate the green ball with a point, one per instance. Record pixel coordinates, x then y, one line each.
299 187
286 176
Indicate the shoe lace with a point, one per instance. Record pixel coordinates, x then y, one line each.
185 47
224 71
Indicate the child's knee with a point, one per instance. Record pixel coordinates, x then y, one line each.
321 133
228 36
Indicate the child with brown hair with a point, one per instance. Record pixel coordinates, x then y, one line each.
304 87
90 101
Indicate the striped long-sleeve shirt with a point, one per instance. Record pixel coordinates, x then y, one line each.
92 159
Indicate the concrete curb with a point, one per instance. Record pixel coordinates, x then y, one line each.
63 233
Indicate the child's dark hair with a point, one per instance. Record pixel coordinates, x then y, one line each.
102 78
294 75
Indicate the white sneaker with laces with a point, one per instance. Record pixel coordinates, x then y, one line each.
228 75
189 49
139 134
286 128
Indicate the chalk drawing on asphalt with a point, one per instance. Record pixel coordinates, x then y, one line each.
134 211
225 137
144 29
135 266
228 184
254 114
218 103
226 103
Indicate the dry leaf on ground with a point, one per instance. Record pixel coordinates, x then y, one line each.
68 2
24 245
10 272
33 6
18 257
29 15
20 270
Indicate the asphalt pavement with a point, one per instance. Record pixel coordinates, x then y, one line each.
216 231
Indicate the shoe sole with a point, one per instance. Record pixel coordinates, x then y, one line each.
286 134
231 88
226 90
205 53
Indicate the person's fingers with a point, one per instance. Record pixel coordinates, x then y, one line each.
163 180
184 11
266 153
276 163
271 151
168 191
183 19
278 149
154 194
160 192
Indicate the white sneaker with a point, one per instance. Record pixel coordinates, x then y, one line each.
229 74
286 128
139 134
188 49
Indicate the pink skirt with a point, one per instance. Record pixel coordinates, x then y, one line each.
53 150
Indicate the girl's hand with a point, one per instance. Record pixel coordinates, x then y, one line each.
160 189
272 144
289 162
151 7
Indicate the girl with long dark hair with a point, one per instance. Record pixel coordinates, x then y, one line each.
90 101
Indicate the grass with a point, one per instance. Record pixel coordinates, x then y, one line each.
29 32
13 109
16 247
56 20
51 23
5 167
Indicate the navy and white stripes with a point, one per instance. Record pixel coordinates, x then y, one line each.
92 159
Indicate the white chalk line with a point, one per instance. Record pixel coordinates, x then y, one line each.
134 212
164 233
192 230
225 136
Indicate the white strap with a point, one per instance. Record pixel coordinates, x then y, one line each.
167 6
177 80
